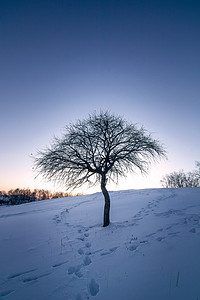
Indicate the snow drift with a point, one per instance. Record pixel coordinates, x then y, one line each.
58 249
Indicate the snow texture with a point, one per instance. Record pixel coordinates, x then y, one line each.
58 249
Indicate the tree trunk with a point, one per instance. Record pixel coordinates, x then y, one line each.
106 220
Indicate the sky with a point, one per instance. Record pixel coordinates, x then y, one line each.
61 60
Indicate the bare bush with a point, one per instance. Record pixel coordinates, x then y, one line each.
181 179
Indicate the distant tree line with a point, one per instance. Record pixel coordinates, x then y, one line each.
20 196
181 179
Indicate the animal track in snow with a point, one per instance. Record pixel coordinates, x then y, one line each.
20 274
132 247
133 244
82 238
151 234
59 264
174 233
111 250
28 279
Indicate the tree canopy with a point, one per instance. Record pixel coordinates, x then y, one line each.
97 149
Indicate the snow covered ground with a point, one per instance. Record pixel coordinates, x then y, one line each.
58 249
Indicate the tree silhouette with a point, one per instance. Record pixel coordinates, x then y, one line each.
95 150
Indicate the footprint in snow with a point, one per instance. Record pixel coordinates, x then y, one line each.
82 238
57 219
169 227
88 245
161 229
160 238
93 287
6 293
79 274
80 251
83 229
87 261
132 247
75 270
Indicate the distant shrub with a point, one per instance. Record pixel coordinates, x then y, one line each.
181 179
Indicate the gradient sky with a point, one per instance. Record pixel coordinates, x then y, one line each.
60 60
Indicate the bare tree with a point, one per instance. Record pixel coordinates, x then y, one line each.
97 149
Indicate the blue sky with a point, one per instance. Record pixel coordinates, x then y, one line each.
61 60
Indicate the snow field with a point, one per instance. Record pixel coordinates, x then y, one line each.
58 249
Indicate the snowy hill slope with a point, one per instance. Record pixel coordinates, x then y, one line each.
58 249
